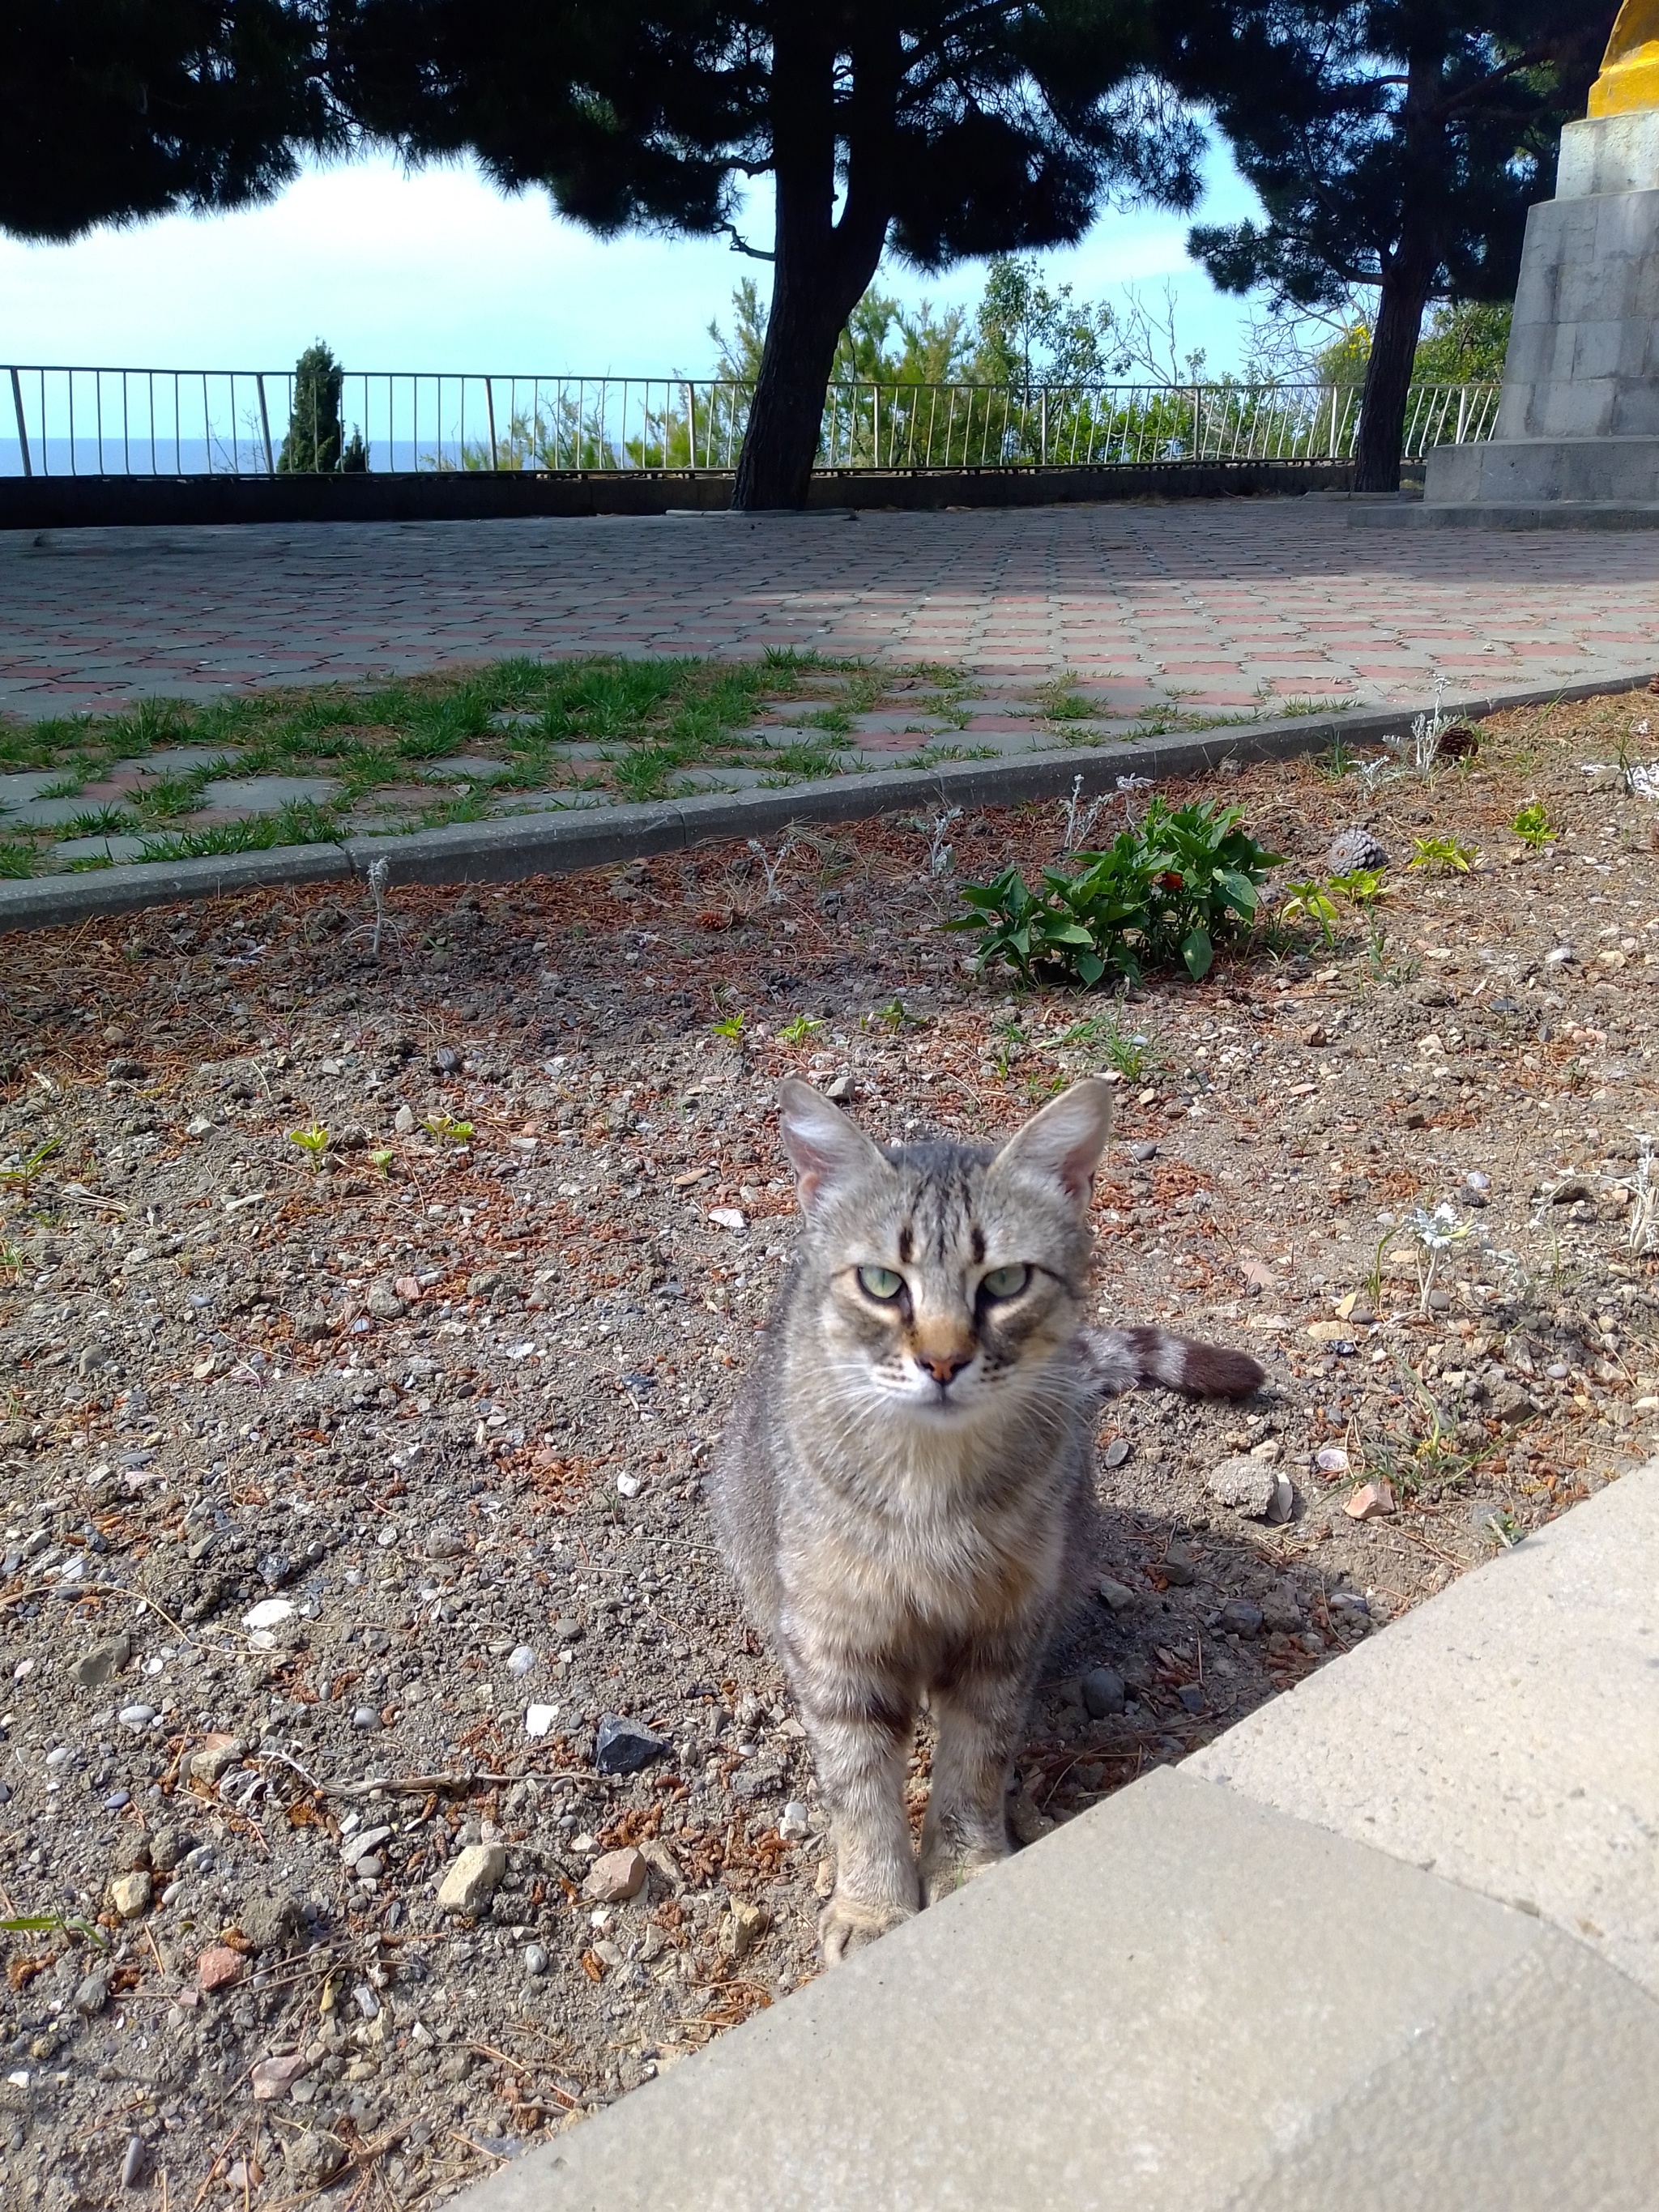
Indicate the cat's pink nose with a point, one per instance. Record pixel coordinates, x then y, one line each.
943 1366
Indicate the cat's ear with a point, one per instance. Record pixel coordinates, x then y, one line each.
1065 1141
825 1149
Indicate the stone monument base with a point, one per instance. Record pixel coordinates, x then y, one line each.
1578 423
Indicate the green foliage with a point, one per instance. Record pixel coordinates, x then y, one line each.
1463 344
1159 894
798 1029
1310 902
1361 886
445 1126
1532 826
1449 854
729 1026
312 1142
316 444
1103 1037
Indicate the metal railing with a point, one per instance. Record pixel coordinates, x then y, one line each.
202 423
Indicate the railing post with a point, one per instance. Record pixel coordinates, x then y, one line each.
264 424
23 428
1043 426
490 409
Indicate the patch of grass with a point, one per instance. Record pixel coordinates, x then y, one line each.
1061 701
1103 1038
17 858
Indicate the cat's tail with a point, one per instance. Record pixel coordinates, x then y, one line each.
1121 1358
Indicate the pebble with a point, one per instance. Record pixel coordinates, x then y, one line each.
1248 1486
135 1717
405 1122
1104 1692
134 2164
471 1878
1181 1564
130 1894
384 1302
742 1929
444 1544
365 1716
1116 1452
521 1661
1372 1501
101 1660
218 1966
796 1821
92 1994
270 1613
274 2077
615 1877
538 1719
1117 1597
1241 1617
623 1746
312 2159
1146 1150
535 1959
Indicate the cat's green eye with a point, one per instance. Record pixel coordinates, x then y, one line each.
880 1282
1005 1282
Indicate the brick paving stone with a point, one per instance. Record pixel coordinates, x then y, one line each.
1238 594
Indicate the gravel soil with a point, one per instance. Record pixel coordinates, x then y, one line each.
350 1489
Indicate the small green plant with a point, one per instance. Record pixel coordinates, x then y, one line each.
382 1159
1504 1529
729 1026
1126 1055
1448 853
1435 1233
55 1924
12 1261
1341 760
1160 893
312 1142
446 1127
1532 826
1361 886
894 1015
797 1031
22 1173
1308 903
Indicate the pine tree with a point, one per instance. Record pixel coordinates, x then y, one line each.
112 111
940 128
316 443
1395 144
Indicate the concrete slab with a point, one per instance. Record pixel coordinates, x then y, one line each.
1180 2001
462 770
50 813
19 790
267 794
113 849
180 760
1504 1735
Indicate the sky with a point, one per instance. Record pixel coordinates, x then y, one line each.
439 270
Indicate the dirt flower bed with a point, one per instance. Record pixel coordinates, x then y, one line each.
389 1778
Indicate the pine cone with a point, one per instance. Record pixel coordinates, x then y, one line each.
1354 848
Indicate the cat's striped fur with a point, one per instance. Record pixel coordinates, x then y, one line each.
905 1491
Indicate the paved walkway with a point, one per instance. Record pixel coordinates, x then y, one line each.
1227 605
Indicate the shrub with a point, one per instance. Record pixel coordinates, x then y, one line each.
1159 893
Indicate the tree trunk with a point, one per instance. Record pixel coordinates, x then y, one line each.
1389 372
821 266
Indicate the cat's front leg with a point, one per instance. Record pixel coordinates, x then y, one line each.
860 1739
981 1714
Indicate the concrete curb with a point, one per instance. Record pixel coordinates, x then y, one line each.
1243 1986
1491 515
519 846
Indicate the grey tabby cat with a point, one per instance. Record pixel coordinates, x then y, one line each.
905 1491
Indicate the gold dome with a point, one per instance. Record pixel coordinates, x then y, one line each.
1630 69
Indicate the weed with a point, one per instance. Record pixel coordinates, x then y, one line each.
102 822
1435 1233
446 1127
797 1031
1504 1528
772 868
1157 894
1532 826
729 1026
1427 731
1448 853
1341 760
1644 1204
55 1924
17 858
380 1158
1361 886
896 1015
1101 1034
941 854
1080 820
12 1262
22 1173
312 1142
1308 903
1062 701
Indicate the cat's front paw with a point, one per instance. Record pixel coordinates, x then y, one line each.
943 1875
847 1923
